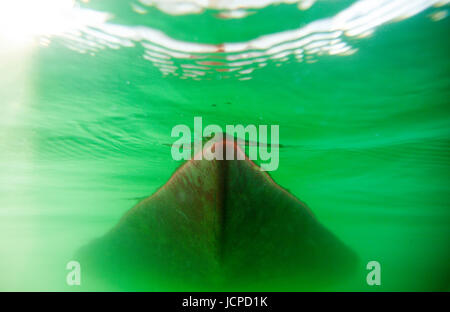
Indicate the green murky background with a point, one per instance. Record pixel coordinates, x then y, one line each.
365 140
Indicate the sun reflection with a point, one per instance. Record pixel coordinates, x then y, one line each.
21 20
24 21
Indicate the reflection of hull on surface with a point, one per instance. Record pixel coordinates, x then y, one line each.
217 224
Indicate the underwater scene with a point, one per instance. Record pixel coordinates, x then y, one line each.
224 145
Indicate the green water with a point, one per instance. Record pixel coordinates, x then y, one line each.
364 139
